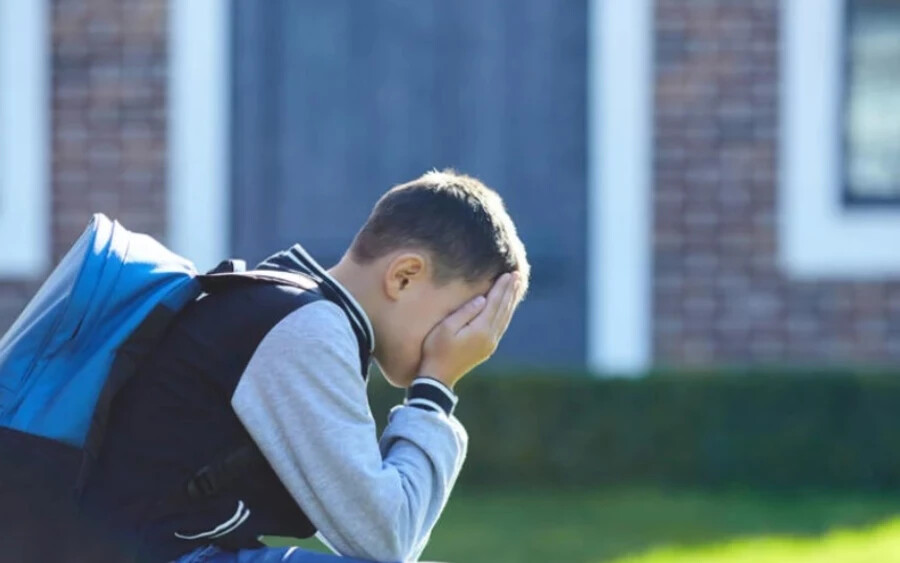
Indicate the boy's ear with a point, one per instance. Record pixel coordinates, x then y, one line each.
402 271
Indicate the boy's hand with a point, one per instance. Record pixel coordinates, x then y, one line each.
470 335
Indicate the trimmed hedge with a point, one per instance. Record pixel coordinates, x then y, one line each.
760 430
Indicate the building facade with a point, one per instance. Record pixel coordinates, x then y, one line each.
699 183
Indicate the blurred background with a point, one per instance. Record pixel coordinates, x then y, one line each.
705 369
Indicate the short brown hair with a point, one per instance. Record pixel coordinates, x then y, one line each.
462 223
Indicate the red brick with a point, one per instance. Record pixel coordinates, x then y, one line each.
108 92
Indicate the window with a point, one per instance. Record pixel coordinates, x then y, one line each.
24 108
872 102
820 237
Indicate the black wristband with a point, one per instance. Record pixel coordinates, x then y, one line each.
430 394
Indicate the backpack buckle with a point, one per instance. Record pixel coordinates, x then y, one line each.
202 485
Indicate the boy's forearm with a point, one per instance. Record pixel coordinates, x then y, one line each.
419 442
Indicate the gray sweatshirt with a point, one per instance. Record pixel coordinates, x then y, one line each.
304 403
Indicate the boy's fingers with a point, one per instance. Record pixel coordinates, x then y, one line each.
495 299
465 314
504 313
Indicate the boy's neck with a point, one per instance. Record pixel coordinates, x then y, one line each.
355 279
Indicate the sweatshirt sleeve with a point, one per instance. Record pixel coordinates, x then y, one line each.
303 401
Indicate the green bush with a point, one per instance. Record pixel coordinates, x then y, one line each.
761 430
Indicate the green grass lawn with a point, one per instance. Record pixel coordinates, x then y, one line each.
643 526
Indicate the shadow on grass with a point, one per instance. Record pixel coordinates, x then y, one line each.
597 526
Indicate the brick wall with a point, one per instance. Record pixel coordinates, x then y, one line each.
719 295
108 68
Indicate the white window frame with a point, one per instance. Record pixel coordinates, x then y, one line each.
620 211
198 195
24 139
821 237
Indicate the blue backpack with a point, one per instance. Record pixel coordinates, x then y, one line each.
85 332
56 359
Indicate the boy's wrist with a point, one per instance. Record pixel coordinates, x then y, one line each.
433 370
443 383
429 393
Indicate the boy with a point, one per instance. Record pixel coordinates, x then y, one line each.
263 388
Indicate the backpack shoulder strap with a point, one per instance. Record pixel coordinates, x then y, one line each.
222 473
216 282
229 266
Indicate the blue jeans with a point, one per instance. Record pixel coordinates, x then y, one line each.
212 554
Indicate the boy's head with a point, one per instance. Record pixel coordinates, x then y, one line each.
428 247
